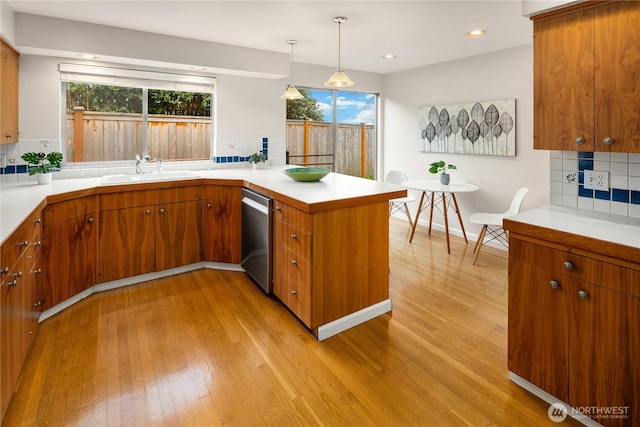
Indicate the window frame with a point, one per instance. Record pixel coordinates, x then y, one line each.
133 78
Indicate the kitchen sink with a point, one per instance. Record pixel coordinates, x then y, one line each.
147 177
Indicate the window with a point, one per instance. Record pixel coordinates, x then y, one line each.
112 114
336 129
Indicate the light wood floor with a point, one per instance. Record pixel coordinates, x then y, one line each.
209 348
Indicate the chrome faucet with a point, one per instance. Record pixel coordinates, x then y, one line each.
138 164
140 161
159 164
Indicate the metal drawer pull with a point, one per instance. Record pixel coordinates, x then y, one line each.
38 243
4 270
209 205
24 244
554 284
278 209
148 211
18 274
579 140
90 220
294 292
12 284
37 221
161 210
294 236
568 265
294 262
583 295
608 140
38 271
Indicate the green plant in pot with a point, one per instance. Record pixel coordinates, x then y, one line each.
256 158
42 164
441 167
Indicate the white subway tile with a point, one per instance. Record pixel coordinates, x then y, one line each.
600 156
570 201
555 164
619 157
619 181
619 208
601 165
603 206
620 168
585 203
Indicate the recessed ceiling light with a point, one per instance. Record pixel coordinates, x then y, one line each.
87 56
389 56
476 33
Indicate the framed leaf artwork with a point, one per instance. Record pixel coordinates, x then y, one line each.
485 128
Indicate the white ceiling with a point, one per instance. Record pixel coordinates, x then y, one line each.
418 32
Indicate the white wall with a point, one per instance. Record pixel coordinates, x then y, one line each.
7 21
499 75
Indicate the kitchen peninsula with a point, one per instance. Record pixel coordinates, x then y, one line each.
64 241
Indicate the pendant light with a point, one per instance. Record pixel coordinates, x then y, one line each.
291 92
339 78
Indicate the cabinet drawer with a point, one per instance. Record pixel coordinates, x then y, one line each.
297 286
296 218
26 235
62 211
130 198
567 263
297 241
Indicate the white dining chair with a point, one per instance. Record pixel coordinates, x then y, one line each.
492 223
400 204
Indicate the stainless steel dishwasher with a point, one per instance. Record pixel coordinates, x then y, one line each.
256 238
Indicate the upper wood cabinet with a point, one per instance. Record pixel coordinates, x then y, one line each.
587 78
9 63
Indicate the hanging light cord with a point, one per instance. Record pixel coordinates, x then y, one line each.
339 45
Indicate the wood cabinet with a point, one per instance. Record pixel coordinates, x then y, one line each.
9 71
126 242
292 260
330 263
586 78
69 248
20 301
574 326
148 230
222 224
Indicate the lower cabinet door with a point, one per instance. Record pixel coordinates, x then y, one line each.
69 251
126 243
538 328
604 362
178 235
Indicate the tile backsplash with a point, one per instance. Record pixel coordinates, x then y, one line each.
567 182
228 152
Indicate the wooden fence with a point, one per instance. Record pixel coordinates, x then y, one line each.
94 136
311 143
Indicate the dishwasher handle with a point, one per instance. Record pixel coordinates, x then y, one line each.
255 205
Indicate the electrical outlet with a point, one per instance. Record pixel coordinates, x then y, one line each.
3 160
596 180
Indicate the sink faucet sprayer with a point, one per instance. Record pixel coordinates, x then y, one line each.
159 164
139 163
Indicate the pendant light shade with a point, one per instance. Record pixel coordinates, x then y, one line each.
339 78
291 92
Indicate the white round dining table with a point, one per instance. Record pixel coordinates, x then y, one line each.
433 194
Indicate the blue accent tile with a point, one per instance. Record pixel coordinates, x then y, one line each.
585 154
236 159
10 170
229 159
22 169
619 195
1 171
585 164
265 139
585 192
635 197
581 177
602 195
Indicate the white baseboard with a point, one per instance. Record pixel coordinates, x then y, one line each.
550 399
100 287
339 325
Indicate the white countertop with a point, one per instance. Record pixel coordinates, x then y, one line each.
18 200
611 228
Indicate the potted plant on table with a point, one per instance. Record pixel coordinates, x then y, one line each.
43 164
441 167
256 158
